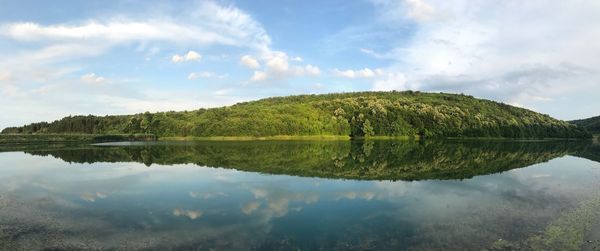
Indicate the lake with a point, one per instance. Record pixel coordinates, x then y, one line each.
301 195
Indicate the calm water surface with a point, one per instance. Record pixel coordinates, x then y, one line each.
374 195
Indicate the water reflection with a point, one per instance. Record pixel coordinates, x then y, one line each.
108 197
365 160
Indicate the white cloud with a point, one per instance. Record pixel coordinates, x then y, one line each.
224 92
176 58
114 31
10 90
155 103
297 59
259 76
57 53
193 76
205 23
312 70
5 77
189 56
308 70
398 11
205 74
534 53
236 23
92 78
277 62
375 54
192 56
278 67
362 73
420 10
393 81
249 62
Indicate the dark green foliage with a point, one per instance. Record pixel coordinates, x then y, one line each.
57 138
592 124
355 114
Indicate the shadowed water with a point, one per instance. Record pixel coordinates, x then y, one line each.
307 195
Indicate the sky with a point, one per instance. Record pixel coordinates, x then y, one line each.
61 58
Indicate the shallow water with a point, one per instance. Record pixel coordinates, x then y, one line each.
287 195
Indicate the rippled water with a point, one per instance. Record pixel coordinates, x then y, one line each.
274 195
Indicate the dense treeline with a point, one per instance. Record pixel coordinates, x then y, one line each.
360 114
592 124
60 138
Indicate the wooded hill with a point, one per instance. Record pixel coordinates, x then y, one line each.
360 114
592 125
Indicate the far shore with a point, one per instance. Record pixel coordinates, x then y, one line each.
100 138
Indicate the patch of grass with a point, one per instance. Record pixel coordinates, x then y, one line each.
250 138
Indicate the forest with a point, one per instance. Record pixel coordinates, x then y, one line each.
358 115
592 124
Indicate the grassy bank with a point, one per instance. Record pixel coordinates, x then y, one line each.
414 137
98 138
58 138
249 138
342 137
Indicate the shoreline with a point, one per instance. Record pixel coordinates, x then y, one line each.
102 138
19 139
286 137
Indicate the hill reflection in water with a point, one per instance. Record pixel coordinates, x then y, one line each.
360 160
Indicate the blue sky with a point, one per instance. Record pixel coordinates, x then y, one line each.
63 58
